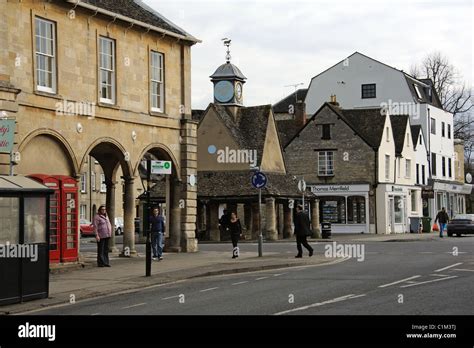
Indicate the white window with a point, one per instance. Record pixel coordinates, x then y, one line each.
399 166
408 140
156 82
107 70
414 200
83 183
82 212
103 186
325 163
418 92
408 169
387 167
388 133
93 181
433 126
45 52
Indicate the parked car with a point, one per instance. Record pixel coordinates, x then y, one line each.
86 228
461 224
118 226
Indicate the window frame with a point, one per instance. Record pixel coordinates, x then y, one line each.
365 88
443 166
433 164
417 91
162 82
449 131
433 126
450 168
103 186
53 57
328 163
113 71
326 131
417 165
407 168
387 167
443 132
83 182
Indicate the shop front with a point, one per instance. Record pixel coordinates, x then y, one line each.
346 207
451 196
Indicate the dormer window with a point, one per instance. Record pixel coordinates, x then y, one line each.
417 91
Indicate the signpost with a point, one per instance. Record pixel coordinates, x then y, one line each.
259 181
302 188
160 167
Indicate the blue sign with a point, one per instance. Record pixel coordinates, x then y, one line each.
259 180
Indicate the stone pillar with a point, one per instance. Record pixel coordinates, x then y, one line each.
280 219
174 225
315 219
8 108
287 221
110 204
255 221
241 216
248 220
129 220
271 232
214 232
188 133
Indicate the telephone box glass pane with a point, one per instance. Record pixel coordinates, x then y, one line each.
35 220
9 220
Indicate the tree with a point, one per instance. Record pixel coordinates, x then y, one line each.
454 96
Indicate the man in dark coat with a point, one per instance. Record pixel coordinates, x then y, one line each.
302 231
443 219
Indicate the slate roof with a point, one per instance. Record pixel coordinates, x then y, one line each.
423 86
282 106
415 133
399 126
197 114
137 10
228 70
238 184
287 129
248 128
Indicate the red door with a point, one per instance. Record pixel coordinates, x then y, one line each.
69 219
54 215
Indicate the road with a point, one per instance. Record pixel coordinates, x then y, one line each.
412 277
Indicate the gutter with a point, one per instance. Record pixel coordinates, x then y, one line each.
132 21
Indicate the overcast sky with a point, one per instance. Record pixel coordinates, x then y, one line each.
278 43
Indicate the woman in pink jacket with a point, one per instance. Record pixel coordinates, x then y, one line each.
103 232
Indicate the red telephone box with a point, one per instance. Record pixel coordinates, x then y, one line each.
63 216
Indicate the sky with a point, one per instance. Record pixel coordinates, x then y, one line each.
278 43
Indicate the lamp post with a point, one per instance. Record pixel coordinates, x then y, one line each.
147 219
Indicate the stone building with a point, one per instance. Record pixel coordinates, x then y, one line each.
106 79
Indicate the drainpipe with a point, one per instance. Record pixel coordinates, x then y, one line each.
376 171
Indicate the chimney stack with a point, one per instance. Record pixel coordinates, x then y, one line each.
300 113
333 100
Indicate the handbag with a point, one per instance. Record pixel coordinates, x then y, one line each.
435 227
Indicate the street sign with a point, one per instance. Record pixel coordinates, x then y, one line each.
259 180
302 185
160 167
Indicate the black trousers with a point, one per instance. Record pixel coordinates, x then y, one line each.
103 252
302 240
235 240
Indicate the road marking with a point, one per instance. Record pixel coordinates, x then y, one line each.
278 274
426 252
167 298
442 269
95 313
209 289
135 305
428 281
334 300
399 281
459 252
463 270
245 281
261 278
439 275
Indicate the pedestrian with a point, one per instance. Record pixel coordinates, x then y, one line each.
103 232
443 218
157 234
235 229
302 231
224 224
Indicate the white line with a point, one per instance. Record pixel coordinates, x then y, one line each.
95 313
438 275
426 252
399 281
463 270
261 278
278 274
334 300
442 269
208 289
428 281
135 305
245 281
167 298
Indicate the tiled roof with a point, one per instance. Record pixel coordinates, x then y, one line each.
228 70
415 133
283 105
399 126
286 130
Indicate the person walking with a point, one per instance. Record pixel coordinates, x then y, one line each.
235 229
302 231
103 232
443 219
224 224
157 234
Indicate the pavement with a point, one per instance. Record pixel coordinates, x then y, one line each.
85 281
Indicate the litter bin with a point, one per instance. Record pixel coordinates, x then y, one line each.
326 230
426 223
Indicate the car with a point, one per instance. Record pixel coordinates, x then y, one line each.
118 226
461 224
86 228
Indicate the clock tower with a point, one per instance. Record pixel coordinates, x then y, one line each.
228 82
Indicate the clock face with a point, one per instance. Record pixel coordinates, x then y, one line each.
223 91
238 91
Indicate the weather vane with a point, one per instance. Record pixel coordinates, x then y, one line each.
227 44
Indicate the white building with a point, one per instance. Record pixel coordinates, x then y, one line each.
359 81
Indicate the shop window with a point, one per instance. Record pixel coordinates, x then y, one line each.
333 209
398 209
356 210
9 220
